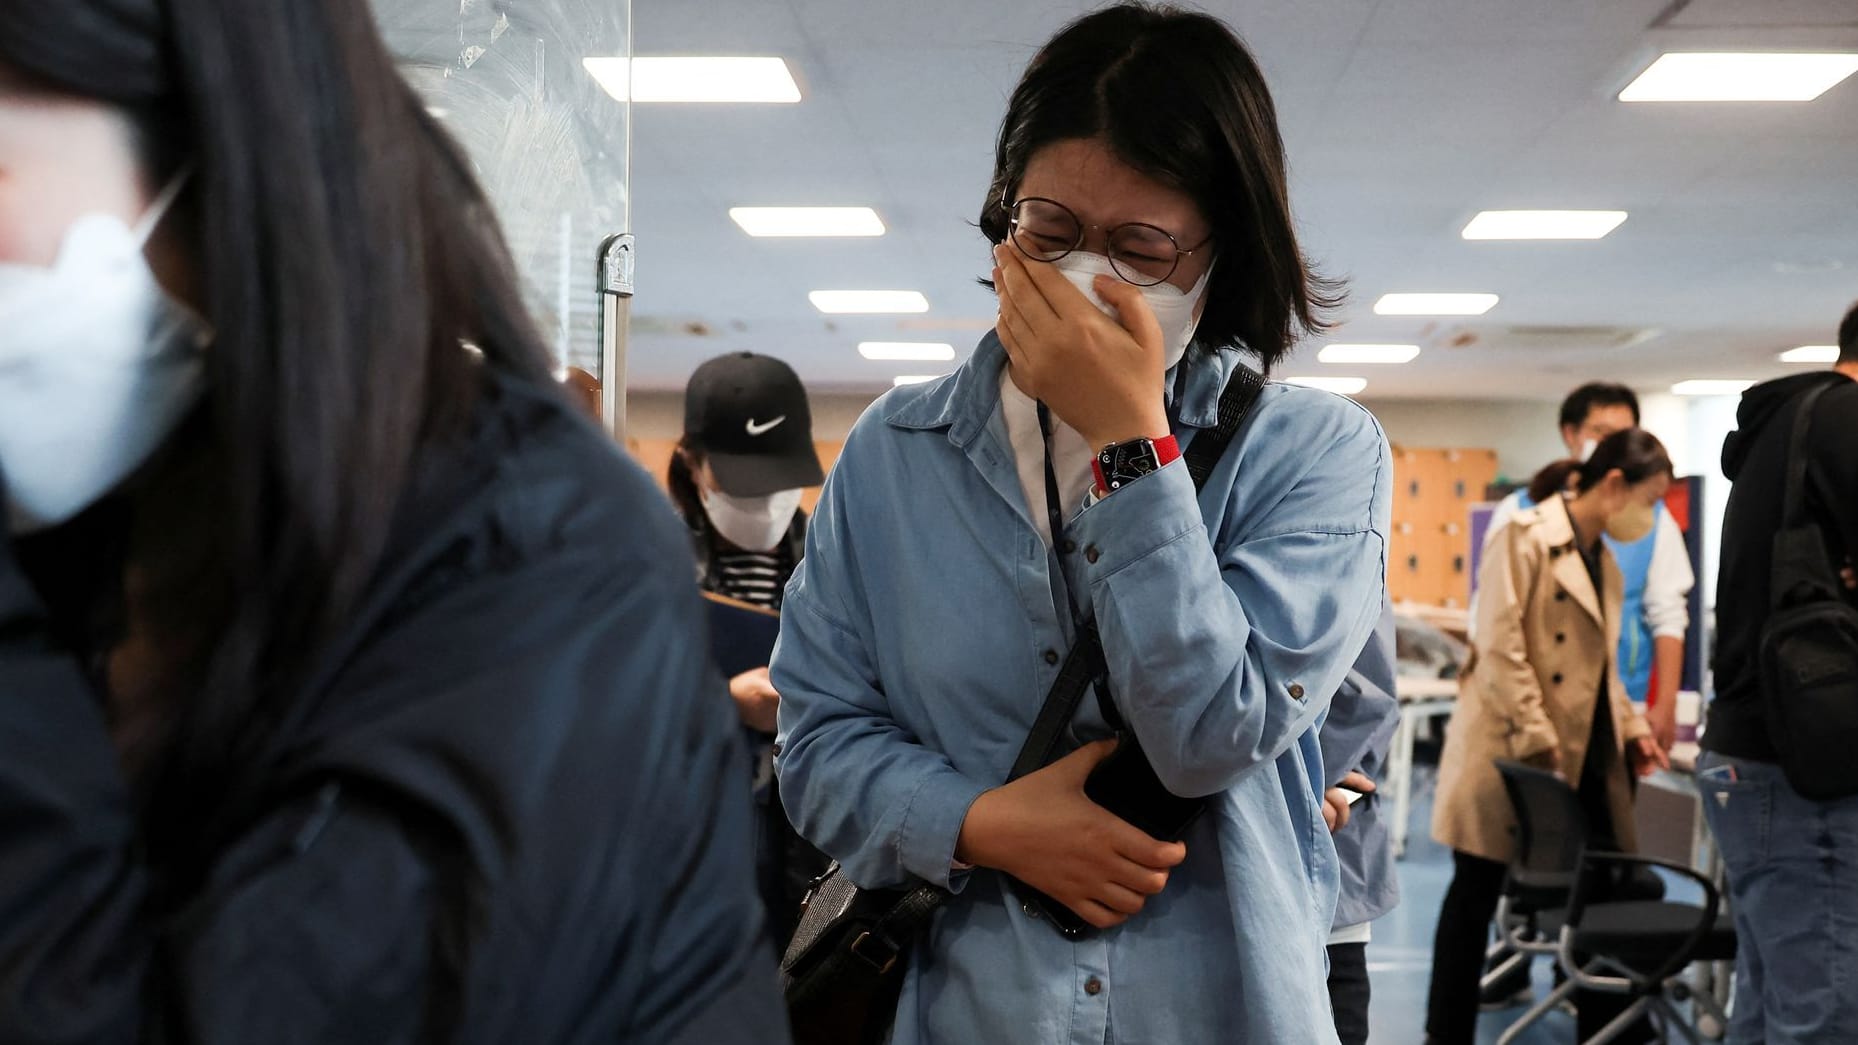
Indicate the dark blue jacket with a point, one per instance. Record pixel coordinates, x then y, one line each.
511 807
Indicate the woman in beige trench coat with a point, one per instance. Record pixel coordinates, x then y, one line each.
1542 688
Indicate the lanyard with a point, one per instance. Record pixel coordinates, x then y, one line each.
1054 507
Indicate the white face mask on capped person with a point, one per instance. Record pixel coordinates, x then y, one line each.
97 366
1174 308
753 524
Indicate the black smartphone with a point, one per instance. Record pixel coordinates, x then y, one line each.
1126 785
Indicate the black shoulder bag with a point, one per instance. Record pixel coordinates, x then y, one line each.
1809 646
844 968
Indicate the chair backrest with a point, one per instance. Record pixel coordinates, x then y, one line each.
1551 830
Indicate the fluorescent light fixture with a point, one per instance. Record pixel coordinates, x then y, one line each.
1368 353
758 80
1346 386
807 221
1434 304
1706 387
1811 354
916 379
902 351
868 302
1544 224
1740 77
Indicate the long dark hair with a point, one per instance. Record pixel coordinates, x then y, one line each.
1636 453
681 482
1178 97
343 252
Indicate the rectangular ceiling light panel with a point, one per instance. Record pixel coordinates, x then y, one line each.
1711 387
868 302
714 80
1544 224
1368 353
1740 77
906 351
807 221
1435 304
1811 354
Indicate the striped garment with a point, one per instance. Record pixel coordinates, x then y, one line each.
753 577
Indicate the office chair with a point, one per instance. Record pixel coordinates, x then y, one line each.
1632 947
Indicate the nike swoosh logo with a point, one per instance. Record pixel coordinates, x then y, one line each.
755 429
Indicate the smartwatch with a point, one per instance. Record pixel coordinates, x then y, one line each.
1120 464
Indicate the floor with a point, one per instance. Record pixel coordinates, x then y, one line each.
1400 956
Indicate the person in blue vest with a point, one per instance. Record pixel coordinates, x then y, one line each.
1649 548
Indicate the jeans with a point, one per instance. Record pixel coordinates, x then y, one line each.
1793 886
1348 991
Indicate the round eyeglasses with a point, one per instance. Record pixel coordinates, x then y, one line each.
1046 230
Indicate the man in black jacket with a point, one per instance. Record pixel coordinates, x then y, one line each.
1793 862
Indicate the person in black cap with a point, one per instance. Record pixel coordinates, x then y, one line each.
737 476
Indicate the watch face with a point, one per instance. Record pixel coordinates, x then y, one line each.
1126 462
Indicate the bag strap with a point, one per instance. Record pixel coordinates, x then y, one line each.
1789 550
1085 664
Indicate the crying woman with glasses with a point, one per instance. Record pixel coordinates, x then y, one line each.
976 528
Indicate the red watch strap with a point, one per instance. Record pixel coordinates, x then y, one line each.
1167 451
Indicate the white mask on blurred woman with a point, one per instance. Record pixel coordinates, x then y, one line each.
97 366
1176 310
753 524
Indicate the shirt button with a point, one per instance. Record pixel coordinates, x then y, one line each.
1068 547
1561 636
1051 656
1556 679
1093 986
1091 555
1296 691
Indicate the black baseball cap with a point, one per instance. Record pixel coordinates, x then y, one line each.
749 415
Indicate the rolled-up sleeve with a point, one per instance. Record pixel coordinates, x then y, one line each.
1222 657
856 783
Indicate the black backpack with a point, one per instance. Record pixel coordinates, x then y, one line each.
1809 646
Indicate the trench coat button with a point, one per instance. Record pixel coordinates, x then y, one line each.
1091 555
1561 636
1556 679
1051 656
1093 986
1068 547
1561 596
1296 691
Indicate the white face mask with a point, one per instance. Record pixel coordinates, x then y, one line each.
97 366
753 524
1174 309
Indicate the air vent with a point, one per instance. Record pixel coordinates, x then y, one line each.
1542 338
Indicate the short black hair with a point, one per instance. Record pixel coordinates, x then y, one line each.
1848 337
1581 402
1176 95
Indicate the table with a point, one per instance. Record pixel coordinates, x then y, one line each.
1421 699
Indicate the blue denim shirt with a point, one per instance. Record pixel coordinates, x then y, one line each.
1357 736
922 631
